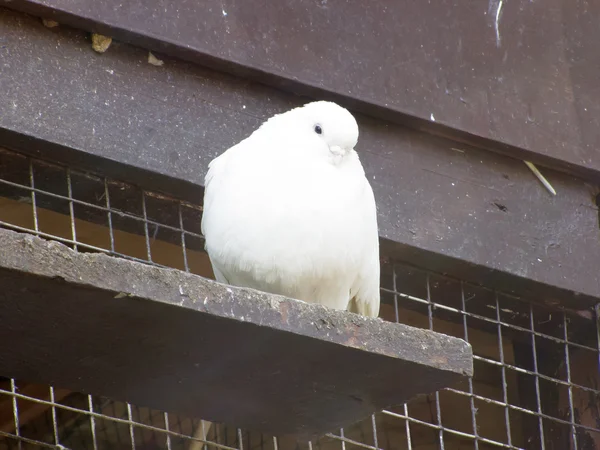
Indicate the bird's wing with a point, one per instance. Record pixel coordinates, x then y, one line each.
219 275
364 295
215 166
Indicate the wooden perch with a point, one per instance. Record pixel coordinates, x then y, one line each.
178 342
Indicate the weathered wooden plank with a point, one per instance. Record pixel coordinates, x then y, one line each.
451 208
147 335
515 77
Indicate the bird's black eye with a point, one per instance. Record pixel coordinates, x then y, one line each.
318 129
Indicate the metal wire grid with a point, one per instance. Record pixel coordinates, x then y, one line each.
536 368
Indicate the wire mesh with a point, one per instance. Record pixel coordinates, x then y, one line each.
536 368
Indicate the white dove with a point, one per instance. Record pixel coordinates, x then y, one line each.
289 211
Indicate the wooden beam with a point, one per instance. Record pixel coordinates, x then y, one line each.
516 78
155 331
453 209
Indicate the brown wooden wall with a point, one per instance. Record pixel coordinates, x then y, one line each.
452 207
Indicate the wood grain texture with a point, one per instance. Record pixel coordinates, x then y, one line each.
177 342
515 77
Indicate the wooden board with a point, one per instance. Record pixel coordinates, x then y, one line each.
177 342
454 209
516 77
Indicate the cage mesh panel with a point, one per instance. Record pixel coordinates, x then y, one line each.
536 368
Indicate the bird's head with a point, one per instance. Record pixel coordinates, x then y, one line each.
323 126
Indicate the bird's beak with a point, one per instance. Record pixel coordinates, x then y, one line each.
337 150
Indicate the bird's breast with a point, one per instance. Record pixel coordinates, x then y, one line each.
289 227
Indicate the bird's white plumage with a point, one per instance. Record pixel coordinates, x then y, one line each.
290 211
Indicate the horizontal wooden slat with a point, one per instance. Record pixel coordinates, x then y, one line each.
443 206
178 342
516 77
